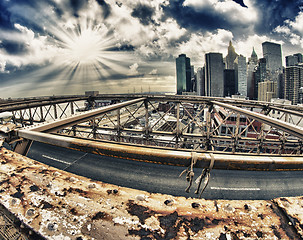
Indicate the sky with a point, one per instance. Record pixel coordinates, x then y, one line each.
60 47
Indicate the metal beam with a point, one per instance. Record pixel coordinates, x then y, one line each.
167 156
14 106
284 126
82 117
296 113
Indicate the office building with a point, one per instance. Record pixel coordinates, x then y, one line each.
200 78
267 90
300 57
230 57
214 80
251 65
272 52
241 75
183 70
293 60
193 80
293 83
230 84
259 75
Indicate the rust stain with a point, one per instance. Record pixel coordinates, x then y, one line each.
43 196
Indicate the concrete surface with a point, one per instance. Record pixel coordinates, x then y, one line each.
60 205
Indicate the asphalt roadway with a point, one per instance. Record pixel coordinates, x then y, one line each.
223 184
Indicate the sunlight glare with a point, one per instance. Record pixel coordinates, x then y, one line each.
85 48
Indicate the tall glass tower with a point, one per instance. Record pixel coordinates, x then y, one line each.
241 74
252 63
183 69
293 83
230 57
214 78
272 52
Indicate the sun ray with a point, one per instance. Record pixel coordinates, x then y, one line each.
84 50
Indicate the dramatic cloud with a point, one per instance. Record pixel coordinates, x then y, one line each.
273 13
292 31
68 46
144 13
210 15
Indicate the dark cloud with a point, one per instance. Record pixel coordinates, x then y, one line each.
5 16
29 3
274 13
144 13
125 47
105 7
9 17
14 48
205 19
77 5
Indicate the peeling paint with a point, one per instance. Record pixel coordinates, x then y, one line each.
61 205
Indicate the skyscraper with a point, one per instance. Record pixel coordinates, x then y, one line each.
193 80
230 57
251 65
230 85
272 52
200 77
300 57
293 60
259 75
214 81
267 90
293 83
241 75
183 69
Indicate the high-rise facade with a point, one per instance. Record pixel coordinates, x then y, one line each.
259 75
300 57
193 80
293 83
200 77
267 90
251 65
230 57
272 52
230 84
241 75
214 80
293 60
183 70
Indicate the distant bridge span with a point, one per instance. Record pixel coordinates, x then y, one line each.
178 130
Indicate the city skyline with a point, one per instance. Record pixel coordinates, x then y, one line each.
68 47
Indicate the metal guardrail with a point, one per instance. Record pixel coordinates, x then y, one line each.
168 156
279 147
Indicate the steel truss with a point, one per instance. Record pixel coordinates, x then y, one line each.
242 134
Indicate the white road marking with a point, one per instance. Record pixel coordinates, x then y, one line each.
55 159
235 189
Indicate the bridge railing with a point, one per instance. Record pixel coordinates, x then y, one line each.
210 126
225 127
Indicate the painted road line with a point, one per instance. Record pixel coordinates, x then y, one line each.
235 189
55 159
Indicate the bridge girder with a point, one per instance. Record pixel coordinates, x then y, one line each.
283 151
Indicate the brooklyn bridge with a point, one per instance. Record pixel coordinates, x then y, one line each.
197 135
